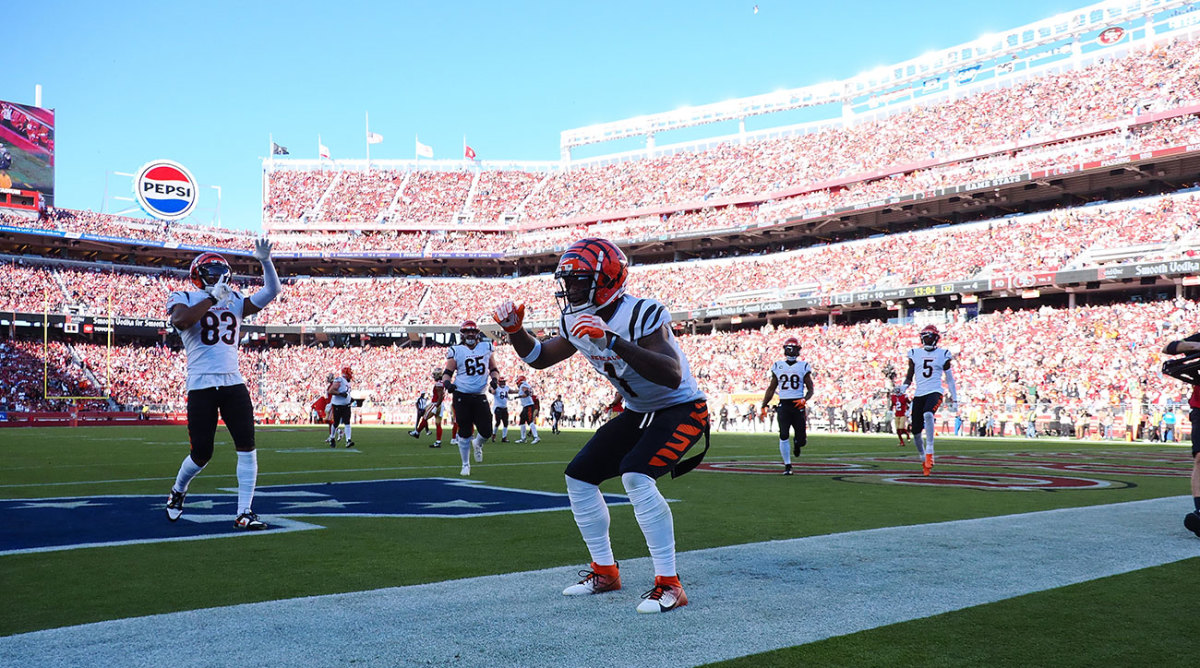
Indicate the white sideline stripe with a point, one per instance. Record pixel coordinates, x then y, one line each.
745 599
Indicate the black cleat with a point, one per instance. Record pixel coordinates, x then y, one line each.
349 444
787 469
175 505
796 449
1192 522
249 522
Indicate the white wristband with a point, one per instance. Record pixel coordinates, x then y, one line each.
533 354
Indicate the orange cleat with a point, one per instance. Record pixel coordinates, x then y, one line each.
927 465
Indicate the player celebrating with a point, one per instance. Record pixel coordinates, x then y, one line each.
472 359
528 417
339 399
628 341
500 396
793 377
928 363
208 320
899 408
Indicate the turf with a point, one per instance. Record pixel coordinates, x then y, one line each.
58 588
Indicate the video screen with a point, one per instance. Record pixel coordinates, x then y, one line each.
27 149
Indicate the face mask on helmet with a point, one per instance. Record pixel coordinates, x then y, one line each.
207 269
469 333
791 348
930 338
590 275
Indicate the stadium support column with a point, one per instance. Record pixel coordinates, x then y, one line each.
1071 301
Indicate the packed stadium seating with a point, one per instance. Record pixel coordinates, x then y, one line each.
1153 228
1089 360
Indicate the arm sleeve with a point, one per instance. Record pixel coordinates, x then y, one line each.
950 384
270 287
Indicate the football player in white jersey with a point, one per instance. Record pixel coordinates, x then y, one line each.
527 418
209 321
928 364
500 410
793 377
340 402
629 342
472 360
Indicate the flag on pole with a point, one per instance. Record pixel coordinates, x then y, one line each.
373 138
468 153
322 150
424 150
276 149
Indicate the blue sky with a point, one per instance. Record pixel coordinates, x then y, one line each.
204 83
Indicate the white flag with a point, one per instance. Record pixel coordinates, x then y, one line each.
423 150
322 150
373 138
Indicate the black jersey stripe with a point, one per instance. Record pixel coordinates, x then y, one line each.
650 317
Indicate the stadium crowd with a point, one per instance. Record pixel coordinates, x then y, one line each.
1086 364
1154 228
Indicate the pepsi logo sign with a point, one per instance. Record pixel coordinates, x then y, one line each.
165 189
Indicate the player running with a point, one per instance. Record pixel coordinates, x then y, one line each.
629 342
528 417
928 364
209 321
793 377
500 400
433 411
472 360
340 402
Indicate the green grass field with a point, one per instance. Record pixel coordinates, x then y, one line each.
1137 618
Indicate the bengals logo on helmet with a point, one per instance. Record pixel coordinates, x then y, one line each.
207 269
470 332
591 274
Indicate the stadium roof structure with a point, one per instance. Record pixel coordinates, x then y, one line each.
942 68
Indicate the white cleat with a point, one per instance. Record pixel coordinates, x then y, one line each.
535 441
466 470
664 597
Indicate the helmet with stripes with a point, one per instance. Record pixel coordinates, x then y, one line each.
591 274
791 347
207 269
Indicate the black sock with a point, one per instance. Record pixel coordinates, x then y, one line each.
1196 500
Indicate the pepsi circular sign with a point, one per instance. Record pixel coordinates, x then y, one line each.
165 189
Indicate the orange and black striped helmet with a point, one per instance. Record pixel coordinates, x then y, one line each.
591 274
207 269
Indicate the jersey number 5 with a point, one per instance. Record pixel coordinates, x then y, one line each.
927 368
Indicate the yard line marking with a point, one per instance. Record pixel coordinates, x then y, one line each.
745 599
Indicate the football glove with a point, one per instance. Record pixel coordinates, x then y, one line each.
262 249
591 326
450 386
510 317
220 291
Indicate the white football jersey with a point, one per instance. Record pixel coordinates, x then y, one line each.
500 395
634 319
928 368
341 387
211 343
525 392
789 375
472 366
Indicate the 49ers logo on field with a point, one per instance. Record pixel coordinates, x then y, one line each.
1051 471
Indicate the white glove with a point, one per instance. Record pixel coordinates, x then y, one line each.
510 317
590 326
262 249
220 290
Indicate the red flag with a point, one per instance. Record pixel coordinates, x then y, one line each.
469 153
